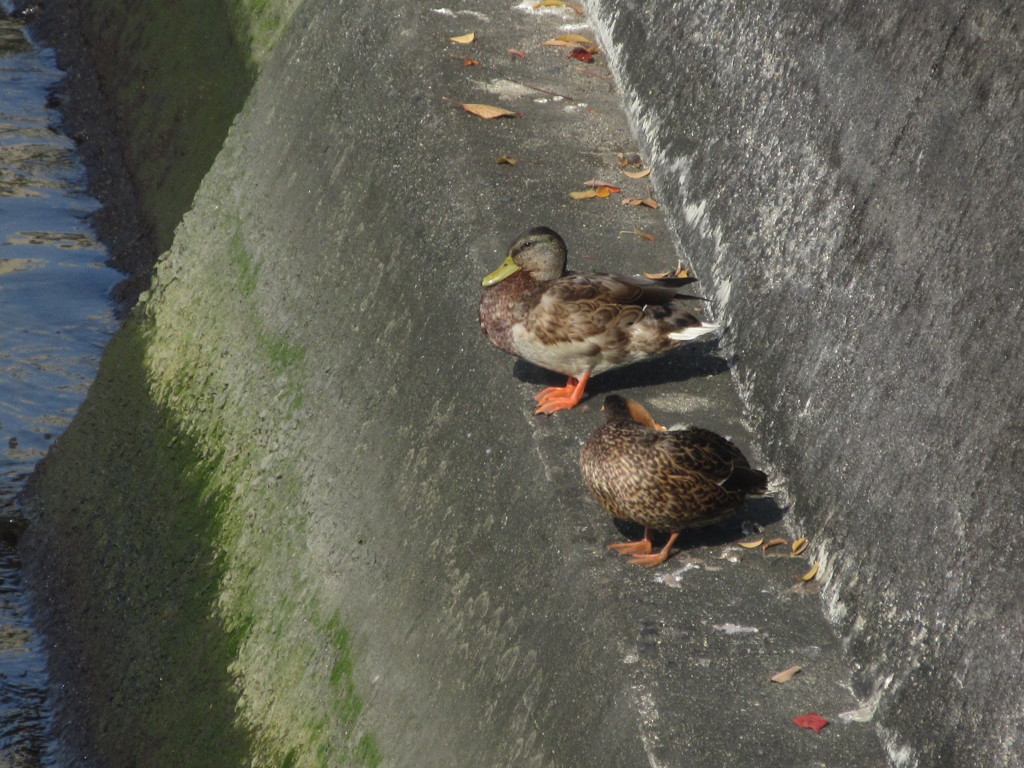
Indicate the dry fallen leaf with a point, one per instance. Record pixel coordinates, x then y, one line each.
811 573
571 40
582 54
558 3
811 720
638 174
647 201
798 546
487 112
465 39
772 543
516 52
638 233
467 62
785 675
745 544
506 160
605 190
583 194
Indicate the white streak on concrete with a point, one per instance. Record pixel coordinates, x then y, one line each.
735 629
649 717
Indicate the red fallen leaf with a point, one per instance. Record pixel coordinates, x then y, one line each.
582 54
467 62
811 720
516 52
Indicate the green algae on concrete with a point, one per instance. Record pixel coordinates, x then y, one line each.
132 572
259 24
170 521
166 550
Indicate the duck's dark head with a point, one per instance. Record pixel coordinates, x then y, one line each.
539 252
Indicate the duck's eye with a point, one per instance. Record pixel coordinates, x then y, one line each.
528 244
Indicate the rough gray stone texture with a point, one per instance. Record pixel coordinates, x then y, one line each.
346 225
850 177
495 626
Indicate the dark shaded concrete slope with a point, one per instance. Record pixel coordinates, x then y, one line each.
851 175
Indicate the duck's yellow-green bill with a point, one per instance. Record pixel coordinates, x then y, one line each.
507 268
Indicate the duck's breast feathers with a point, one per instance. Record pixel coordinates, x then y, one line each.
505 305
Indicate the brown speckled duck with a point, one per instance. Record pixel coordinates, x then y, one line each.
665 480
579 324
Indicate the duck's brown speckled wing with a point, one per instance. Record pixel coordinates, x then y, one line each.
667 480
702 451
719 461
617 289
596 321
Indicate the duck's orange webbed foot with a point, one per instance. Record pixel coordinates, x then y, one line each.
656 558
562 398
642 547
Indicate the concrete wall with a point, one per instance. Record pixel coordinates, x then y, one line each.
852 176
306 518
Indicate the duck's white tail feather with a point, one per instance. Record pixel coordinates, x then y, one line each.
693 332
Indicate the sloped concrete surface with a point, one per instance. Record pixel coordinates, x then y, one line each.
399 557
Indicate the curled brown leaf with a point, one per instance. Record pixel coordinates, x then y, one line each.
557 3
649 202
487 112
681 271
571 40
811 573
785 675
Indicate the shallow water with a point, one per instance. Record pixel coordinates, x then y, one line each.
55 318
